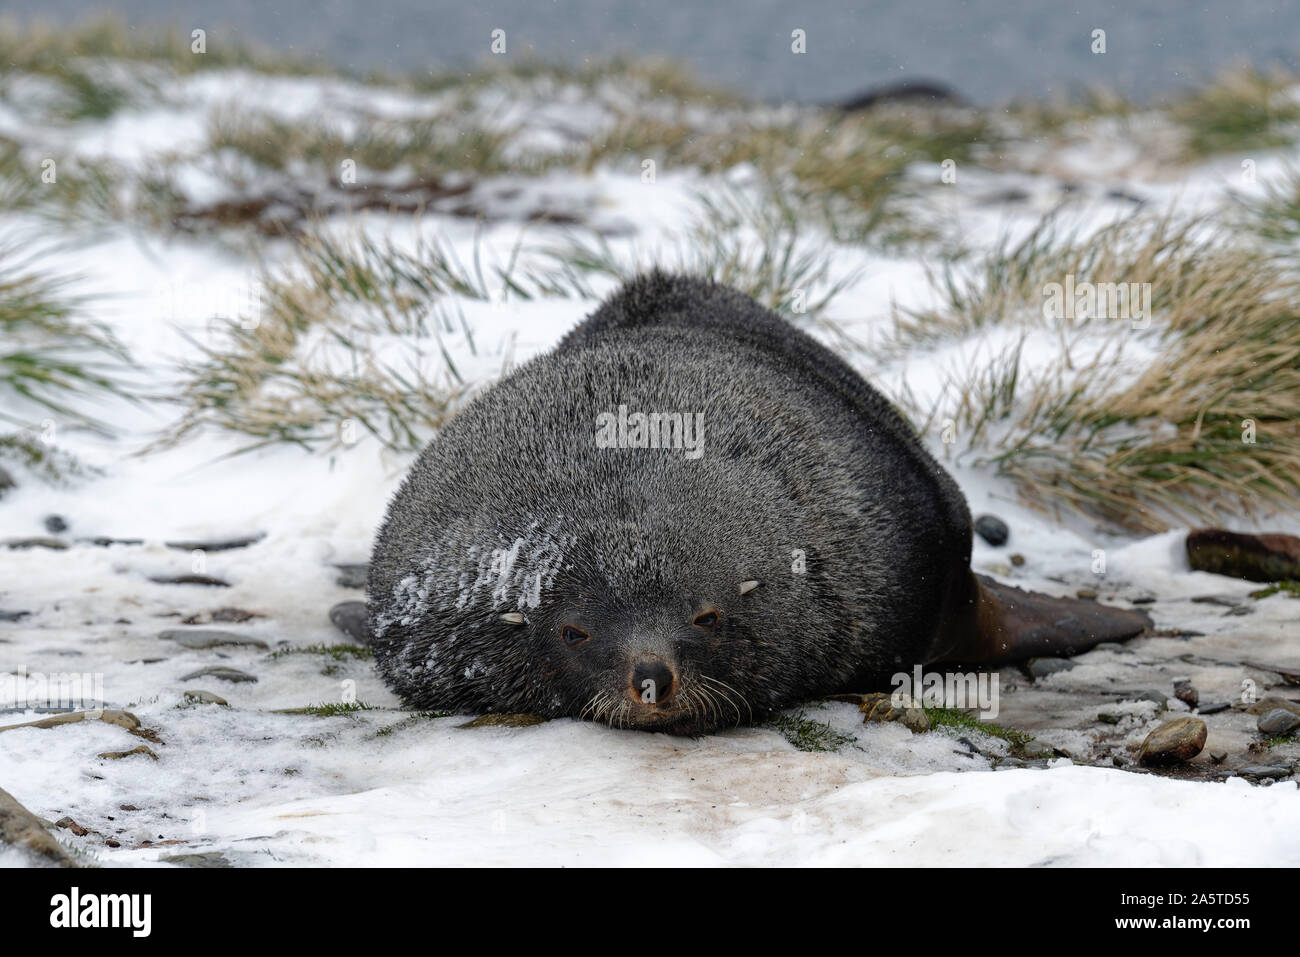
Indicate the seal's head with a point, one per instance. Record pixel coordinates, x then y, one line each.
634 642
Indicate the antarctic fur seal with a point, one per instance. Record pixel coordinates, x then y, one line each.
562 549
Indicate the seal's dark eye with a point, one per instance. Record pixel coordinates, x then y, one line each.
574 636
705 619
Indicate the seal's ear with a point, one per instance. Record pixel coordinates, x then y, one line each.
749 586
513 618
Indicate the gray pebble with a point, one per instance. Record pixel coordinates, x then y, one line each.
208 859
221 673
992 529
1042 667
1278 722
1213 707
1263 772
352 576
37 541
217 545
207 580
350 618
199 696
55 524
200 638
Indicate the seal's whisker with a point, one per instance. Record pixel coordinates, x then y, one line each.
723 688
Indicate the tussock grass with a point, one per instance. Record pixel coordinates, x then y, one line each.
805 734
364 332
1244 109
88 196
758 243
451 141
336 652
648 79
44 47
842 171
46 461
1136 444
1275 216
357 331
48 355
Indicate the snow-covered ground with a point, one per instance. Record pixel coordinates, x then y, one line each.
380 786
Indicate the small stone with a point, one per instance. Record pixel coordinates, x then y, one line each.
1278 723
1010 763
37 541
1269 702
22 829
350 618
208 859
1042 667
123 719
207 580
1187 694
915 720
1218 755
1288 673
217 545
220 673
71 825
1088 594
1265 772
352 576
1143 599
1039 750
1017 559
201 638
1173 742
1106 717
1258 558
504 721
233 615
1159 697
138 749
205 697
1227 601
992 529
55 524
1212 707
13 615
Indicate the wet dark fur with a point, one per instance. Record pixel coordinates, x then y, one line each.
514 509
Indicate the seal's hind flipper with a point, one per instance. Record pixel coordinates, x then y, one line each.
1012 624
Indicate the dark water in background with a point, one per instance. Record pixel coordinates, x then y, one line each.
989 51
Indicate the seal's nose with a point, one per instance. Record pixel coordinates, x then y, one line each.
652 681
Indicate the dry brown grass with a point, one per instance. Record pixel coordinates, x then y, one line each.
1137 447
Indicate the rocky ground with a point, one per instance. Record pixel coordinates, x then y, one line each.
242 703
